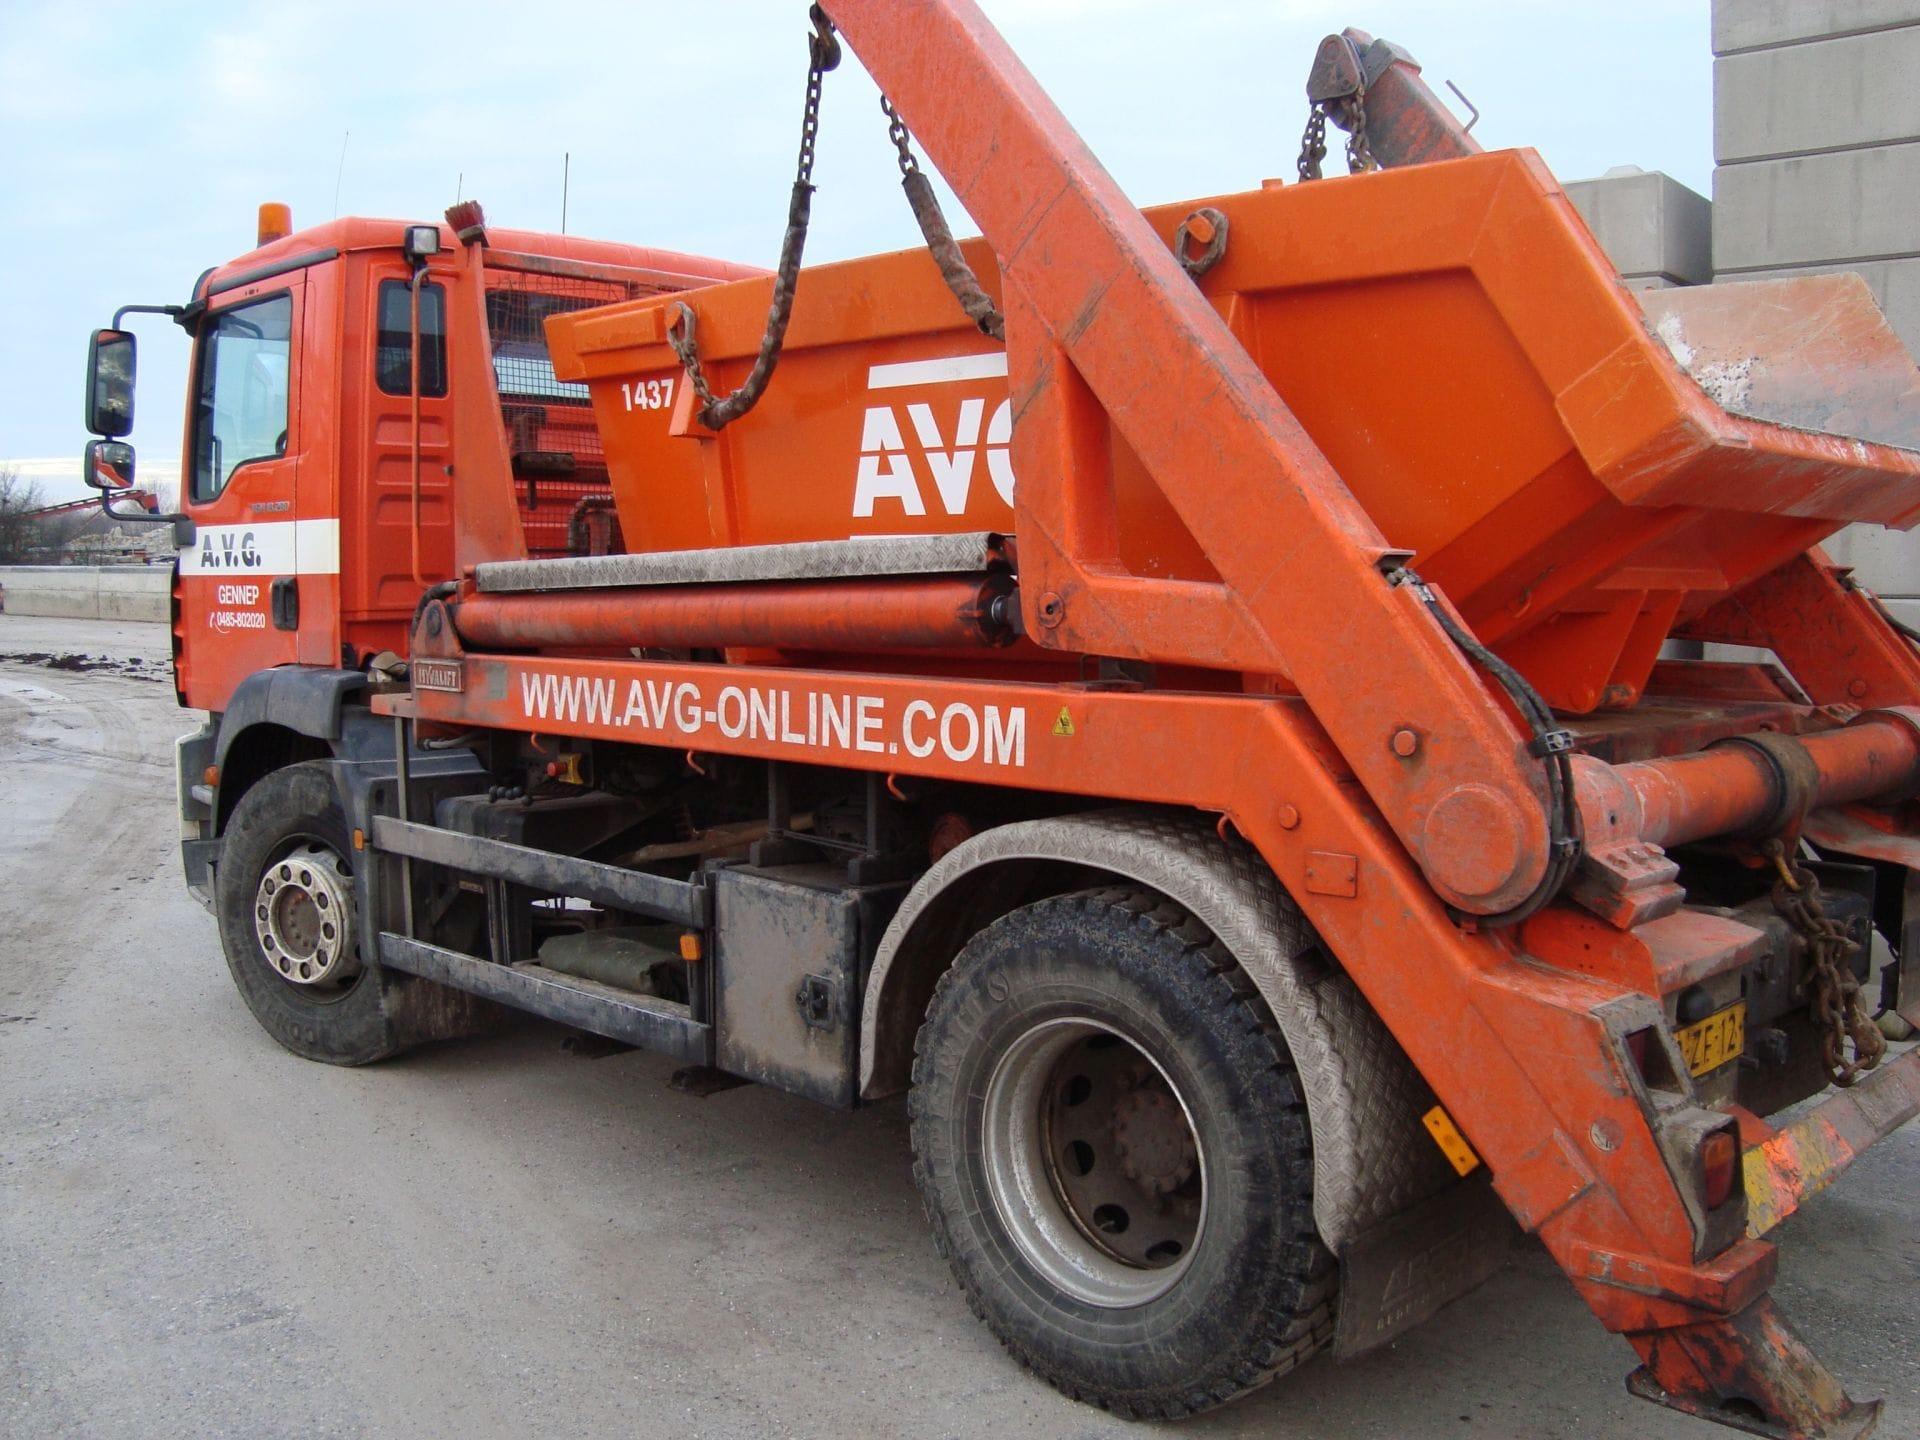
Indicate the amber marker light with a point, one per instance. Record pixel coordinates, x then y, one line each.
276 222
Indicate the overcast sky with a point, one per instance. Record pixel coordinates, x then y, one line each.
136 139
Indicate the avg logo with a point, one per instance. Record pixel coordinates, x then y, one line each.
949 453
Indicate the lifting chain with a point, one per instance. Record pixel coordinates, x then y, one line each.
1837 1006
823 54
1350 113
1313 143
1359 149
945 250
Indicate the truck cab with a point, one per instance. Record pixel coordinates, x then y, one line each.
345 381
324 442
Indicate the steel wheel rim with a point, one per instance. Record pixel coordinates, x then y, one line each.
1061 1216
303 916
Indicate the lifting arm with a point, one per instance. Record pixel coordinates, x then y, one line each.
1100 312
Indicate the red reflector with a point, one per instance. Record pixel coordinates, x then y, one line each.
1719 1164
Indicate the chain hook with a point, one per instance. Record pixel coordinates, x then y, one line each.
823 46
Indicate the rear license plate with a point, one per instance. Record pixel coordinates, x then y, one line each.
1710 1043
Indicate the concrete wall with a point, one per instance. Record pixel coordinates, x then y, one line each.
83 592
1654 229
1816 138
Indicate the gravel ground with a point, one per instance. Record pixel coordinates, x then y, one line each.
201 1235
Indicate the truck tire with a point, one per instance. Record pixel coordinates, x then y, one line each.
1114 1156
283 894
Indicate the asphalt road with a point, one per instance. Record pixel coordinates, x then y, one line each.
201 1235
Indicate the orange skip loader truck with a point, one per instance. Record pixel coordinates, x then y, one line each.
1208 703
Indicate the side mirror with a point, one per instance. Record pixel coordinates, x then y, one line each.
110 371
108 465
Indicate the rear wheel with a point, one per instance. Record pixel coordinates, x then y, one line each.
285 900
1114 1156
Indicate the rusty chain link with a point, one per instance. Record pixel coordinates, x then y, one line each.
1837 1006
902 141
823 54
1313 143
1359 148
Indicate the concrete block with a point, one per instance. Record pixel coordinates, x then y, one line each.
1829 95
1895 285
1652 227
55 590
1749 24
135 593
83 592
1886 561
1810 209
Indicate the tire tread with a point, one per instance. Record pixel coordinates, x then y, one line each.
1289 1337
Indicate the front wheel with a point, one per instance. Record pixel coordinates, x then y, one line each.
285 900
1113 1152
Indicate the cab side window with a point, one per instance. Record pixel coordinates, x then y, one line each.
240 409
392 357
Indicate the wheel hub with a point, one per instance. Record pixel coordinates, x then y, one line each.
1150 1135
1093 1163
303 916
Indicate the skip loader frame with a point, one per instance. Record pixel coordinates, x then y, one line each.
1410 801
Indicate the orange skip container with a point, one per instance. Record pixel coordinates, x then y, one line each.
1578 466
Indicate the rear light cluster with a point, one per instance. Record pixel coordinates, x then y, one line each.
1720 1166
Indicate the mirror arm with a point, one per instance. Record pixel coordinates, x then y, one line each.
172 312
182 522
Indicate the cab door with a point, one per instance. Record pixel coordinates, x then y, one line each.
239 597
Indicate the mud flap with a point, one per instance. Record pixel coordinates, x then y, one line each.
1398 1273
420 1010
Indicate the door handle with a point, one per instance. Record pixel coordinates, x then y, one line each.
283 598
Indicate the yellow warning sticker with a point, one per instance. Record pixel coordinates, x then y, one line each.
1063 722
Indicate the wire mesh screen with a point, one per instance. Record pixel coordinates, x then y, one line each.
559 464
517 310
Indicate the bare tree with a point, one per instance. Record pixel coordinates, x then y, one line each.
19 526
53 533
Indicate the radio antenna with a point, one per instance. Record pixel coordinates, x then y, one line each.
340 170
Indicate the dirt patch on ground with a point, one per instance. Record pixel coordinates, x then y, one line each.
133 668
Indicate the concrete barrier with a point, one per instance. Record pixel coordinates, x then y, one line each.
87 592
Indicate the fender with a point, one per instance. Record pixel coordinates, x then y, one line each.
305 699
1372 1158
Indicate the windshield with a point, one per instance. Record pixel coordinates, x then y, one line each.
241 409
